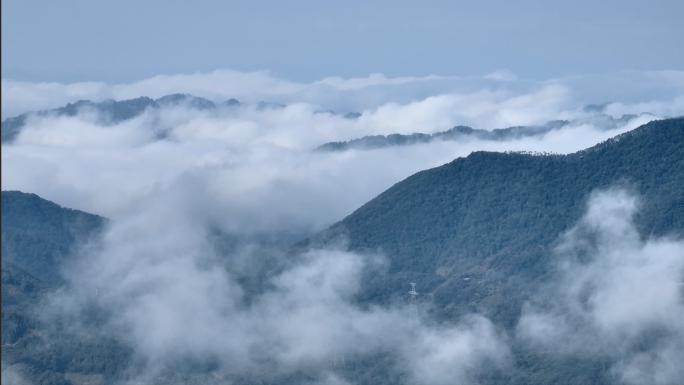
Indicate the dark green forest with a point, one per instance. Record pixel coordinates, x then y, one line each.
38 240
477 236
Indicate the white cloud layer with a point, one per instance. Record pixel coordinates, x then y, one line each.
618 296
358 94
257 165
171 292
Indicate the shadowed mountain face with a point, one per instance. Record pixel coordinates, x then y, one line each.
37 235
477 234
39 238
34 215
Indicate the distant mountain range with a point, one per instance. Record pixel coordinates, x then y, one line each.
465 133
475 234
112 111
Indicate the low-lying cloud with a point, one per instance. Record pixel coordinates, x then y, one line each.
159 271
631 88
618 296
173 296
256 165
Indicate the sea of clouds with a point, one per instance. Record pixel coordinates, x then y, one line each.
256 165
248 171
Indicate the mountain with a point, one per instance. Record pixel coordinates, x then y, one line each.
38 238
476 235
111 111
465 133
491 216
37 235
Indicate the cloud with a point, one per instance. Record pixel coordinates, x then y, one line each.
674 108
173 178
617 296
502 75
174 296
255 168
12 375
483 109
374 79
456 355
345 95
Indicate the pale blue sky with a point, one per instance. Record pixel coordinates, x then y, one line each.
73 40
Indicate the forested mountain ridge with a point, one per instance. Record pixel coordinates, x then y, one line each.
478 235
35 215
494 217
465 133
37 234
38 239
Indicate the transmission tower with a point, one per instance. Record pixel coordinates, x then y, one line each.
413 293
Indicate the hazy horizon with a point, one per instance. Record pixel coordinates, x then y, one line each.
76 41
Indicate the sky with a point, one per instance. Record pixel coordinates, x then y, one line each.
127 41
172 177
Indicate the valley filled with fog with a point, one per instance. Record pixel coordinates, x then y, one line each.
200 270
256 161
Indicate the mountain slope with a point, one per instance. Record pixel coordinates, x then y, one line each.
35 215
476 235
37 234
494 217
37 239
